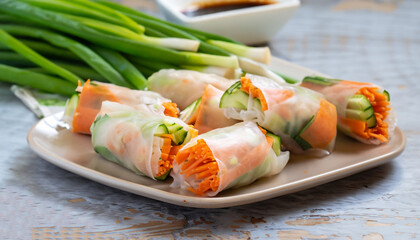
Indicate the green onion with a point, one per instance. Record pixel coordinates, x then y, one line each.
153 65
75 8
89 56
230 73
174 32
173 43
46 49
123 66
259 54
197 33
19 47
62 23
250 66
36 80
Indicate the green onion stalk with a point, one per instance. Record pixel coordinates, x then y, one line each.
78 9
17 46
85 53
36 80
173 43
62 23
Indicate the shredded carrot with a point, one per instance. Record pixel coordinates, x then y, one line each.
324 127
198 160
381 108
171 109
248 87
90 103
168 153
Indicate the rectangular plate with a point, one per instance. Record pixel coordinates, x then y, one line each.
74 152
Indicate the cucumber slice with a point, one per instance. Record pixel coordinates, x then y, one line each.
360 115
302 143
189 111
234 97
163 176
371 122
173 127
71 106
359 102
386 93
276 143
162 129
104 152
179 136
320 80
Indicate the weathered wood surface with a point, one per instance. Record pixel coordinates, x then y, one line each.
363 40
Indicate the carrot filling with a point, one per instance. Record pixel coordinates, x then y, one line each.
198 160
381 108
167 156
248 87
90 103
171 109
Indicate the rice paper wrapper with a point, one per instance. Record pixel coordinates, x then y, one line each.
208 114
242 153
339 95
290 108
132 97
184 86
94 93
125 136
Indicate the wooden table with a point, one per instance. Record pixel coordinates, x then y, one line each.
364 40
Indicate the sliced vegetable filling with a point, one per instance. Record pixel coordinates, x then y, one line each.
171 109
248 87
374 126
198 160
168 153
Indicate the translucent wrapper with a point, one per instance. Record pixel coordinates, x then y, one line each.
340 93
133 138
184 86
92 94
303 119
207 115
242 154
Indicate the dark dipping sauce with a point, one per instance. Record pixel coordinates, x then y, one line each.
200 9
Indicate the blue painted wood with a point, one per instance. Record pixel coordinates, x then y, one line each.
363 40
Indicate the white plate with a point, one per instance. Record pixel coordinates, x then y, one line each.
74 153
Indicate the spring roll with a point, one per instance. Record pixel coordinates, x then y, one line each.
228 157
364 109
205 114
138 139
183 87
304 120
82 108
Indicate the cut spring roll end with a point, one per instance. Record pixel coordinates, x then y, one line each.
198 160
380 105
365 112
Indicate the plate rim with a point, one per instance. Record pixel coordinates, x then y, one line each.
213 202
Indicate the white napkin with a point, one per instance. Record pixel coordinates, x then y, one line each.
40 103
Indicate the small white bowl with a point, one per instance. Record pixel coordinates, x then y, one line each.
252 25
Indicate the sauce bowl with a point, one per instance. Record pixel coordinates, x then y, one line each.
251 25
